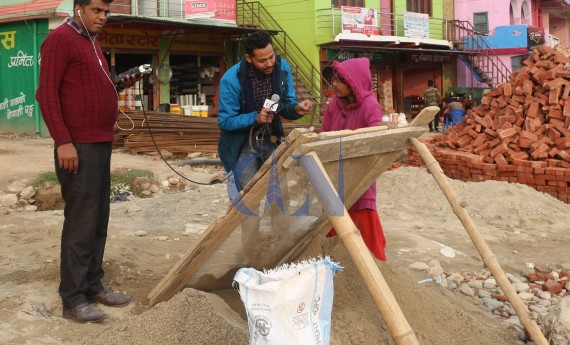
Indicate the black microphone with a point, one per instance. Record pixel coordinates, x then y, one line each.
137 71
273 103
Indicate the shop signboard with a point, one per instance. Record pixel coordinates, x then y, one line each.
150 40
359 20
346 54
535 37
428 58
416 25
211 10
124 38
19 74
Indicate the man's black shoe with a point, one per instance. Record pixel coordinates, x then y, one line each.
109 298
84 313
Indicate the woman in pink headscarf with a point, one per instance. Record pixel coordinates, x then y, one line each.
354 106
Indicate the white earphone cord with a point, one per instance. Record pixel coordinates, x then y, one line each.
92 39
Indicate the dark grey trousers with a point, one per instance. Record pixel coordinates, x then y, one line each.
86 195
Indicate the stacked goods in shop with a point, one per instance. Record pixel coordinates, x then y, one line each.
519 133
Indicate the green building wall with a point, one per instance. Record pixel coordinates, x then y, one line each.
19 71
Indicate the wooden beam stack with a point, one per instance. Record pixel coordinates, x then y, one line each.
173 133
527 118
145 133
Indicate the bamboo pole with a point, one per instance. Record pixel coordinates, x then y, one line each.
350 237
487 255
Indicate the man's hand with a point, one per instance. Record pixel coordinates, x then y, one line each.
304 107
265 116
67 157
130 80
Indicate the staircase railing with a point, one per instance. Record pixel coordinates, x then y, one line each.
485 63
308 77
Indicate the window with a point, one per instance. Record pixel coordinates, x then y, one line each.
353 3
419 6
481 22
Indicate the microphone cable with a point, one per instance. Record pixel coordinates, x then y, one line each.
146 120
92 39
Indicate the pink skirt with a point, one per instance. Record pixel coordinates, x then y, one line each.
368 222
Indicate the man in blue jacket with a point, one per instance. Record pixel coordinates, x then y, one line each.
248 129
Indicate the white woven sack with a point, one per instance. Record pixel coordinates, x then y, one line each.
290 304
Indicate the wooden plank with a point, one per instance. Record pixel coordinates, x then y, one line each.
358 145
425 117
361 169
217 232
350 237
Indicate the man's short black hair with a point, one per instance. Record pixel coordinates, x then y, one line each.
257 40
430 82
87 2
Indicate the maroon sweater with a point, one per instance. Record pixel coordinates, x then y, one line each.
76 97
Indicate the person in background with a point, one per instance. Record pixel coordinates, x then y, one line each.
454 112
455 107
248 128
78 102
432 98
355 106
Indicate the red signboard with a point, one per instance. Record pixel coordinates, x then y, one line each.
359 20
211 10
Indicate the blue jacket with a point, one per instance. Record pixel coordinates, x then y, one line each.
236 108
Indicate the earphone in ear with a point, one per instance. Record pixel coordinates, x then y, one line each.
79 12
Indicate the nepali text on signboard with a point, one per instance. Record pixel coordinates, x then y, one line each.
423 58
211 10
535 37
416 25
359 20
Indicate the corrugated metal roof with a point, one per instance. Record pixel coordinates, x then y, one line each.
194 26
28 9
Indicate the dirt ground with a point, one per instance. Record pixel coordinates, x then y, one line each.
521 226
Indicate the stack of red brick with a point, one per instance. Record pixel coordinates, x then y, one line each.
519 133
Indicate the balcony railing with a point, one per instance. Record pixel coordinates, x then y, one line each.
389 24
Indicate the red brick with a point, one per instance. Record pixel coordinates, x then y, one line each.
500 160
536 165
539 142
499 149
553 152
533 109
464 141
563 143
520 121
540 153
528 135
506 133
520 155
525 143
552 286
490 132
564 154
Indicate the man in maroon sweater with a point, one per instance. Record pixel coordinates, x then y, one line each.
78 102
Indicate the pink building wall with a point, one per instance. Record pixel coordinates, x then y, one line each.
498 14
498 11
